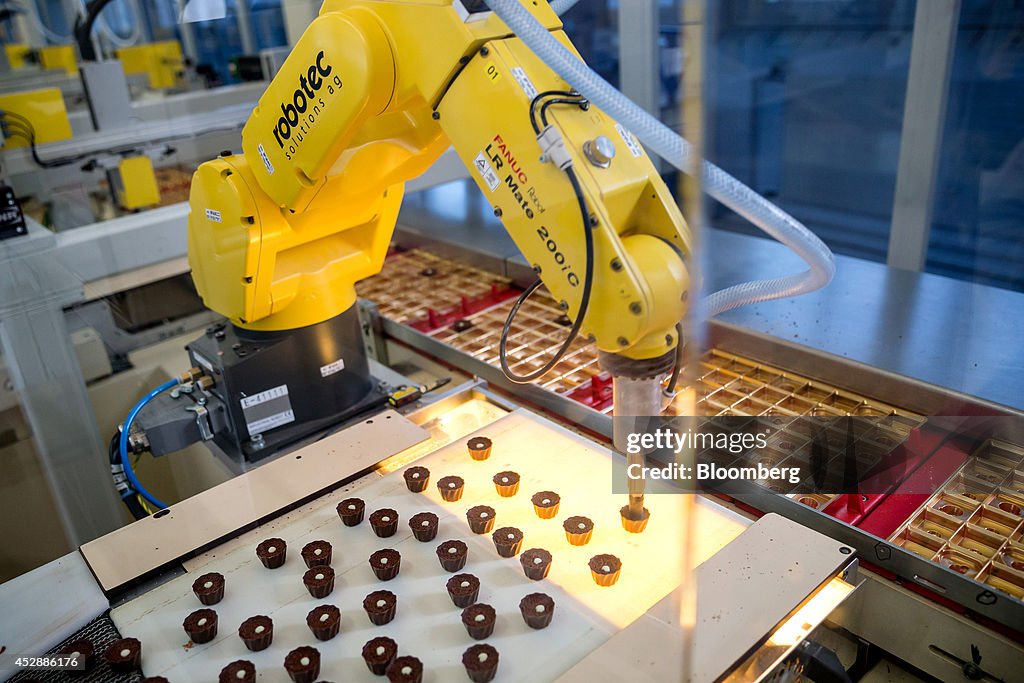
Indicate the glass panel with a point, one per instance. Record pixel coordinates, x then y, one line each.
806 108
979 199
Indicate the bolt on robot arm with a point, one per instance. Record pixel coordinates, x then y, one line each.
371 95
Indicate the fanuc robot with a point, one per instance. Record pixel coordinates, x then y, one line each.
371 95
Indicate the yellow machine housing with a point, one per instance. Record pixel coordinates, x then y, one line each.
17 54
161 61
136 185
44 109
61 57
369 97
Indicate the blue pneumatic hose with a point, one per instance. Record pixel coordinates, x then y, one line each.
125 460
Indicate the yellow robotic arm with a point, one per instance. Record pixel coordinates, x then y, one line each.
370 96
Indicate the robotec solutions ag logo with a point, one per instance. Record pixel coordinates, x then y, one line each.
307 103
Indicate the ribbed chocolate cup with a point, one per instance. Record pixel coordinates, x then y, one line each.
201 626
463 595
380 614
319 581
254 639
537 618
351 511
452 555
507 541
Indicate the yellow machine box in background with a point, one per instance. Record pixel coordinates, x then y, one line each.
59 57
162 62
17 53
45 112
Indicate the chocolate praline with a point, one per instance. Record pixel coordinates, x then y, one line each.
481 662
507 541
536 563
481 518
378 653
201 626
424 526
479 620
385 563
537 610
351 511
405 669
317 553
380 607
416 479
238 671
451 488
84 650
506 483
257 632
272 552
319 581
209 588
124 654
545 504
303 664
463 589
452 555
384 522
324 621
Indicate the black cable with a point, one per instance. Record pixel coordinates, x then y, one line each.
581 101
588 237
23 127
563 97
541 97
677 367
64 161
83 29
35 153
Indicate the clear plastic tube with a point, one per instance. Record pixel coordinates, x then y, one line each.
32 12
673 148
116 39
563 6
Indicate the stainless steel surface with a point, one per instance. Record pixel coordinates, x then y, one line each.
124 244
924 120
726 384
44 606
949 333
161 107
926 635
180 129
239 502
773 565
106 90
639 58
